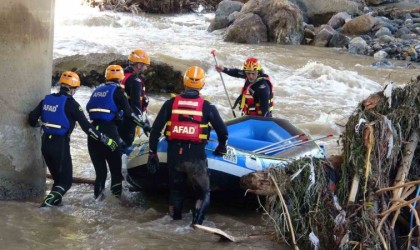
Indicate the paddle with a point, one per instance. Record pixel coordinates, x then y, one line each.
227 237
282 147
269 150
277 143
289 146
213 52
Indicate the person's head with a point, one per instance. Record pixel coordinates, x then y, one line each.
69 81
252 68
139 60
194 78
114 73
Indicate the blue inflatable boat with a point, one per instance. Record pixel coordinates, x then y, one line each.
255 143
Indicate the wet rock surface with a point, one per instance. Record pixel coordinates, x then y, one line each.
383 29
160 77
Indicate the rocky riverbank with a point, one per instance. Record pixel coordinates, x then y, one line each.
384 29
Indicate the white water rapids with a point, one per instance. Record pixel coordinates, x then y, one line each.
315 88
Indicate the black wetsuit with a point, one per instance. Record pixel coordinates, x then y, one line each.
187 159
56 148
133 89
100 154
260 89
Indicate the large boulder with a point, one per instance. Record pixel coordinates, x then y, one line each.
318 12
160 77
224 9
284 20
247 28
90 68
339 20
324 36
359 25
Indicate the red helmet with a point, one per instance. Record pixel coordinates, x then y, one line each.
252 64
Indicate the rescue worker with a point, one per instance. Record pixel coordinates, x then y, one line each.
135 90
187 117
104 108
257 93
59 113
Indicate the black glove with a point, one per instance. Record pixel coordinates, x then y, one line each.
144 125
147 129
220 150
128 150
152 163
113 145
124 149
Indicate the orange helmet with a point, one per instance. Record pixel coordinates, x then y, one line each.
70 78
114 72
194 77
252 64
139 56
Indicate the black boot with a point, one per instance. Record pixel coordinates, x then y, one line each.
175 205
116 190
98 190
199 213
52 199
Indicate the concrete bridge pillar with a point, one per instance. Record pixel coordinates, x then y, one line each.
26 44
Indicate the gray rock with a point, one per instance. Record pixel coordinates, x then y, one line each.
247 28
409 36
310 26
357 46
408 22
320 11
224 9
386 39
402 31
383 64
380 55
91 70
339 40
383 31
232 17
377 46
339 20
284 20
309 34
324 35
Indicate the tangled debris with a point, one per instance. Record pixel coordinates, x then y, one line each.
364 199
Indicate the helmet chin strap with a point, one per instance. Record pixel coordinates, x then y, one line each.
68 89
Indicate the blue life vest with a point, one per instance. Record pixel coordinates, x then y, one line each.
101 105
53 115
